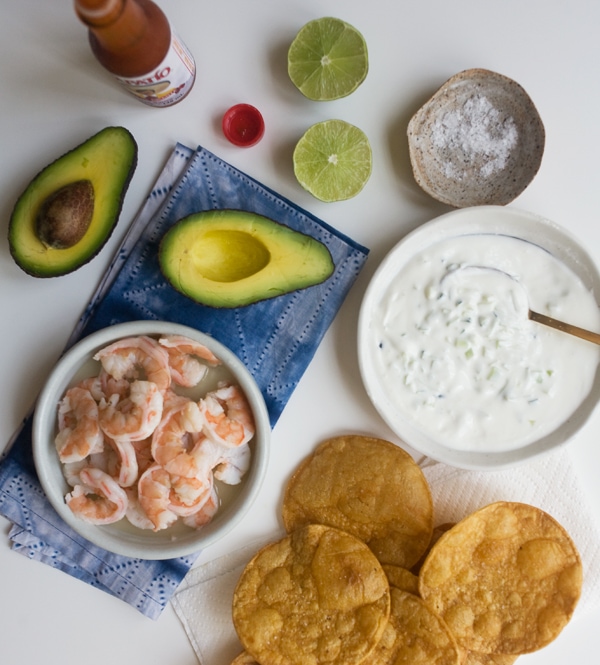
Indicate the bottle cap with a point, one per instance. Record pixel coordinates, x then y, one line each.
98 12
243 125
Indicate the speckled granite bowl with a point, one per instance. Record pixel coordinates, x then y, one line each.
478 141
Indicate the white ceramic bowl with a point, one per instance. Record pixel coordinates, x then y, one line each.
492 220
121 538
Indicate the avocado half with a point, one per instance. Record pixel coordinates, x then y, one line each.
233 258
107 160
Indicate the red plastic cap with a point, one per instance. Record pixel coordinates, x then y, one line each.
243 125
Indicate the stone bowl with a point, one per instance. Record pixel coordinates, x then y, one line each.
478 141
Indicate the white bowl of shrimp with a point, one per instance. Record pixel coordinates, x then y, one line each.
151 439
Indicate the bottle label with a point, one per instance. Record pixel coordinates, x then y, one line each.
170 82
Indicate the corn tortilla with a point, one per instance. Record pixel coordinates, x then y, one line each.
506 579
368 487
318 595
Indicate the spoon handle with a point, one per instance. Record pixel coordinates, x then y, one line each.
565 327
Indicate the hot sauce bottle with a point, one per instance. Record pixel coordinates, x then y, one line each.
135 42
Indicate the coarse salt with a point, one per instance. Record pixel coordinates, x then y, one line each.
474 137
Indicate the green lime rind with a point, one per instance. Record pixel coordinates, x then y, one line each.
333 160
328 59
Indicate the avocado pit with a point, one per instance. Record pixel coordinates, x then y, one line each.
65 215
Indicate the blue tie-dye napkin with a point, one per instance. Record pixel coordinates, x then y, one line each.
276 339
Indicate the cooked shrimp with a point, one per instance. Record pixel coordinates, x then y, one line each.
110 386
203 516
104 385
154 493
99 499
132 446
143 454
94 385
175 436
188 495
79 432
134 417
135 514
228 417
118 460
137 358
228 464
71 471
122 462
230 469
187 358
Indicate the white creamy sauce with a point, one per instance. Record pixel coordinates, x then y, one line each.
457 354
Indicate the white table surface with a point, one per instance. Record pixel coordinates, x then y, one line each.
54 96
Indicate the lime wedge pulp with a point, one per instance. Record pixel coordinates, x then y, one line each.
328 59
333 160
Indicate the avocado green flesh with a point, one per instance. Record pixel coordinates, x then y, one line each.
108 159
233 258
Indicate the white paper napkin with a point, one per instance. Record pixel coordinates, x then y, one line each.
203 602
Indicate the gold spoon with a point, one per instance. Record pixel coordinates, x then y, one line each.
569 328
565 327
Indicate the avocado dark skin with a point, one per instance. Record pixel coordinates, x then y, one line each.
69 210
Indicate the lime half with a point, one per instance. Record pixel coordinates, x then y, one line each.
328 59
333 160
